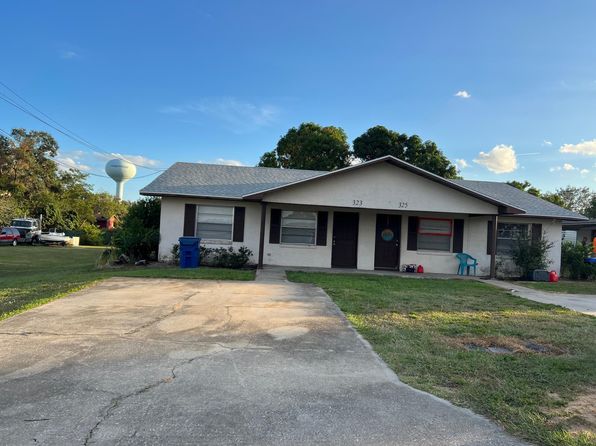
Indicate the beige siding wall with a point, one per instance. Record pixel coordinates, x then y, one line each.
475 233
381 186
172 224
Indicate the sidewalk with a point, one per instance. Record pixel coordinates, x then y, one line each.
583 303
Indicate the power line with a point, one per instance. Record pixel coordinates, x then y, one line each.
60 162
76 168
62 129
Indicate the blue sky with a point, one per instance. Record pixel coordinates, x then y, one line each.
221 81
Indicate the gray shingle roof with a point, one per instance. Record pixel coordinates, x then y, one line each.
235 182
214 180
533 206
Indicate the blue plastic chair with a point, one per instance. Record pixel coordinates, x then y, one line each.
464 263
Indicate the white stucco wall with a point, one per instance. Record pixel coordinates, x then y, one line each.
172 224
381 186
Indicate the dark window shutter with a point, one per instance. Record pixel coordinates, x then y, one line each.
412 233
239 212
489 238
458 235
275 226
322 217
190 220
536 232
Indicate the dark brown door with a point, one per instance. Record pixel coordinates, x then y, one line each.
387 241
344 253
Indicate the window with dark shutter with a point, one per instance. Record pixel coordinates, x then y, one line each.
190 218
412 233
239 214
275 226
458 235
322 218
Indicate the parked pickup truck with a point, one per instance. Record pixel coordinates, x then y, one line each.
29 228
53 236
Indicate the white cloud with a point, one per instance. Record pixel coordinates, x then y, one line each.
68 54
239 116
568 167
582 148
139 160
461 163
463 94
546 142
72 160
228 162
500 159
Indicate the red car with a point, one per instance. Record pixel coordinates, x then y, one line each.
10 236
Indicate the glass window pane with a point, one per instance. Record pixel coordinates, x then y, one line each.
215 222
298 227
434 226
434 242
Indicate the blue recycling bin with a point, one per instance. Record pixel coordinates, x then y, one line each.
190 254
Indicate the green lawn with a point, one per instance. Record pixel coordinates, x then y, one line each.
33 275
564 286
434 334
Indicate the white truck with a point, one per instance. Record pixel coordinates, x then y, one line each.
29 228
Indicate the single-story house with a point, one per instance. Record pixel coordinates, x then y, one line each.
380 214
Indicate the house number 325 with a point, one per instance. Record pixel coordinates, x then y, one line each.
357 203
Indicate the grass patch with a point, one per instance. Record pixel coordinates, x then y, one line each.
564 286
423 330
34 275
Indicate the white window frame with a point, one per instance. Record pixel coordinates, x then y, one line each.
449 235
214 241
281 228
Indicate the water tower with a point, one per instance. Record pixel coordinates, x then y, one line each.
120 171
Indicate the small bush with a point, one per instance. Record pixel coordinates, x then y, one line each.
225 257
573 265
90 235
175 251
138 235
530 254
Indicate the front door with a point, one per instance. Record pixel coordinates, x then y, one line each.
344 253
387 241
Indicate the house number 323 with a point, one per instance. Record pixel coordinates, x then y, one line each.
357 203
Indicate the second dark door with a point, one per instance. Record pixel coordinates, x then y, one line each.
387 241
344 253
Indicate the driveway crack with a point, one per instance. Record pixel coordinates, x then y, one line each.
174 309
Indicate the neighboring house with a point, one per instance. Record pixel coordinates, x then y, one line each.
380 214
579 231
108 223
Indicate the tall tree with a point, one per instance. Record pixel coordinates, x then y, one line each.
380 141
311 147
577 199
526 186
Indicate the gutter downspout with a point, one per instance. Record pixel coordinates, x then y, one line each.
493 248
262 234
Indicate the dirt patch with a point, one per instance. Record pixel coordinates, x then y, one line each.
504 345
579 416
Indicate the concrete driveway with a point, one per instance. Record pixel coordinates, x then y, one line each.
145 361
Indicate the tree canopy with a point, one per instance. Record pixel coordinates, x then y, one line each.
380 141
311 147
31 184
575 198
